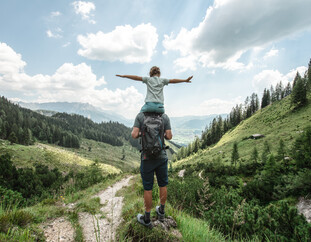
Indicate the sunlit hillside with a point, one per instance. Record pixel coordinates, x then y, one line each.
277 121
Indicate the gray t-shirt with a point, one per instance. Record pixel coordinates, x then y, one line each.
155 86
139 121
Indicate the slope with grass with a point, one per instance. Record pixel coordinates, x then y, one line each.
110 157
277 121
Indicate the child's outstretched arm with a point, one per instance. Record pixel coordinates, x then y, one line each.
136 78
181 80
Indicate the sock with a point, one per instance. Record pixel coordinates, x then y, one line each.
147 217
162 208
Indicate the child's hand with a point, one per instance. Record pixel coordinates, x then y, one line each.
188 79
119 75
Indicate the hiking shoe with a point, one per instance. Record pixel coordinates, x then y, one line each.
161 216
140 219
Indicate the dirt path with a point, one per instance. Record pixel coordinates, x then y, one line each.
99 228
95 228
59 229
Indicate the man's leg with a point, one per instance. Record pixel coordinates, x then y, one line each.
147 177
163 196
162 178
148 200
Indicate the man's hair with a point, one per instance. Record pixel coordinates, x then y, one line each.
154 71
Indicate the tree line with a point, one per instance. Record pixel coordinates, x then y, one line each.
23 126
219 126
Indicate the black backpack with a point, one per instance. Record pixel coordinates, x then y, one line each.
152 134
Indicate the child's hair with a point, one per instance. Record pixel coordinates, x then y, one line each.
154 71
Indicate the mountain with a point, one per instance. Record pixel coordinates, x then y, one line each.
186 128
96 114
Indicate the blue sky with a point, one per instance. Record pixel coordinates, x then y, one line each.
71 50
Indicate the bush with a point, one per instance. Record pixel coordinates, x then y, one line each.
9 198
183 192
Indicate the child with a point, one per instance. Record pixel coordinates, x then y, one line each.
154 101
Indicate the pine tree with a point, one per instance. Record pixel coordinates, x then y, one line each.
254 155
309 76
264 101
235 154
123 154
272 95
299 93
266 152
12 138
288 90
281 150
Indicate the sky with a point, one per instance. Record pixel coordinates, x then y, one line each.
55 51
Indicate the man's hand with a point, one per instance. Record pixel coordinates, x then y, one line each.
168 134
135 133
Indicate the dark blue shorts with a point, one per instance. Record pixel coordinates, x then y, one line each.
147 170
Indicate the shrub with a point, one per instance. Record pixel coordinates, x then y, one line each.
9 198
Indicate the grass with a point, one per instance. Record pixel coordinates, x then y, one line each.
15 225
66 159
24 224
108 154
276 121
74 220
192 229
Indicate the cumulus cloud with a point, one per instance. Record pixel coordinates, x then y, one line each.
71 83
217 106
84 9
232 27
271 53
125 43
267 78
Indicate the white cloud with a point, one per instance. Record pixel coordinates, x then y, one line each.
217 106
125 43
10 61
84 9
55 35
267 78
55 14
232 27
271 53
71 83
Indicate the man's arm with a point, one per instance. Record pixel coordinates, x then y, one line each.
168 134
135 132
181 80
133 77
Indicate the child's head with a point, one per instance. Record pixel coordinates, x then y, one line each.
154 71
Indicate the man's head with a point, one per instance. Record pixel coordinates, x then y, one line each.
154 71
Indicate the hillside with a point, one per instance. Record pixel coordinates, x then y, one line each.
109 157
252 189
277 121
94 113
186 128
23 126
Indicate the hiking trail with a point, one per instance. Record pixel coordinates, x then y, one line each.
95 227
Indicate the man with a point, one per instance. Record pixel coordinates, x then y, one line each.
150 165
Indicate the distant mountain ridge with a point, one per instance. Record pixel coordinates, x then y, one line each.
195 122
184 128
96 114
